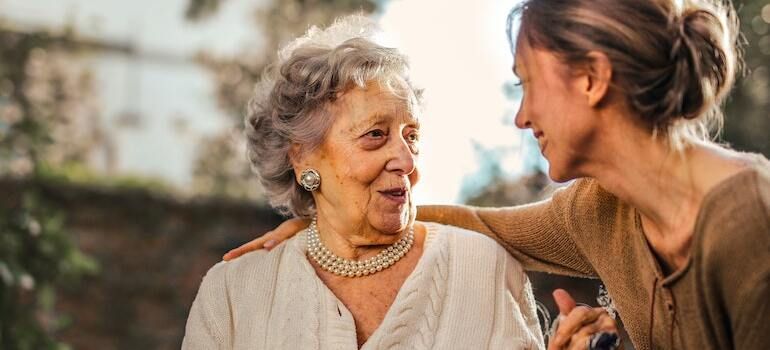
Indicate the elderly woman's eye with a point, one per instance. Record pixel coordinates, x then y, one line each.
376 133
413 137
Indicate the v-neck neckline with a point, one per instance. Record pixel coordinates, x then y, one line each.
430 243
707 202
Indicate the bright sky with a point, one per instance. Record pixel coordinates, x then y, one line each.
458 51
460 55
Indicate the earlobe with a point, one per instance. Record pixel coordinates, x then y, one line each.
599 77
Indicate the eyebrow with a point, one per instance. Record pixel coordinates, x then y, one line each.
371 119
378 118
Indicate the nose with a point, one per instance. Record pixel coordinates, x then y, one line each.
402 158
522 119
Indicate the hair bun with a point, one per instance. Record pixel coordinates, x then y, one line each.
702 63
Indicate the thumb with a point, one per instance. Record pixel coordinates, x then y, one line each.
564 301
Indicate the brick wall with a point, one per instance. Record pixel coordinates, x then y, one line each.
153 251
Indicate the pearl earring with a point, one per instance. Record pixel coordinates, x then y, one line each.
310 179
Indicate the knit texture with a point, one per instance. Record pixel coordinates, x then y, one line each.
719 300
466 292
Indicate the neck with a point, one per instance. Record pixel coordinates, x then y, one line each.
666 186
355 241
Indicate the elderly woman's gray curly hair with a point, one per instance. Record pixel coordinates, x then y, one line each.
289 103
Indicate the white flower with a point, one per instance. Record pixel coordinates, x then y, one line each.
34 227
27 282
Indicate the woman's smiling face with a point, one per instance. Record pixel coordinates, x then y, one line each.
555 107
367 161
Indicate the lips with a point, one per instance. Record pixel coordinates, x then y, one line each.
541 141
395 194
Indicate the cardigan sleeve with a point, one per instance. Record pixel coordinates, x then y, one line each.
539 235
517 282
208 324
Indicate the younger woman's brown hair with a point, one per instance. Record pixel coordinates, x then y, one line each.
674 61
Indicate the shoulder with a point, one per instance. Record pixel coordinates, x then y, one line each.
254 270
587 201
749 189
739 205
761 179
588 196
734 224
589 211
731 249
231 291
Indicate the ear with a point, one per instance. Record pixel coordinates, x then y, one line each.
295 156
599 78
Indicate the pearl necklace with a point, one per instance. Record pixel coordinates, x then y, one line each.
355 268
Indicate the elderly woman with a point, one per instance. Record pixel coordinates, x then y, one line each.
333 135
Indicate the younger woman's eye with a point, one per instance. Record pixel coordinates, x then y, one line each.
518 83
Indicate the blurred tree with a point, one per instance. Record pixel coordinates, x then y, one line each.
747 121
528 188
201 9
48 114
222 167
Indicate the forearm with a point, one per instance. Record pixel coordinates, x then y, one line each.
454 215
538 234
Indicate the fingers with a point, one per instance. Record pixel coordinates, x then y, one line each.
252 245
607 324
580 319
564 301
284 231
577 324
580 340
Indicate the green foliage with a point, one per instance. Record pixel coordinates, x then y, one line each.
46 108
37 257
747 117
79 173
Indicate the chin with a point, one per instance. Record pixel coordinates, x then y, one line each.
558 174
391 223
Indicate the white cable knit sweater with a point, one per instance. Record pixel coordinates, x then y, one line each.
466 292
